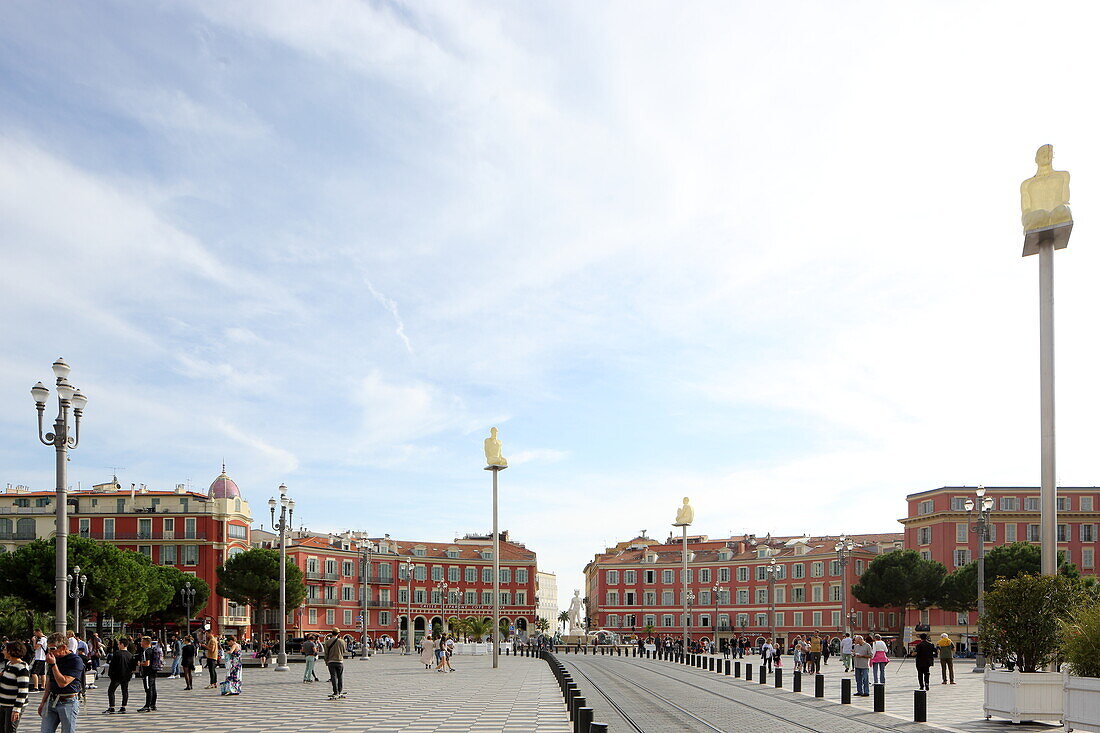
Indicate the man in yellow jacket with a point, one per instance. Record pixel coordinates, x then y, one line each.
946 649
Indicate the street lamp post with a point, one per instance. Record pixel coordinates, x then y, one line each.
366 554
496 463
442 586
78 585
286 519
716 589
67 397
689 602
978 518
771 570
409 603
187 595
844 547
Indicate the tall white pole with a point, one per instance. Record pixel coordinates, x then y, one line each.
496 574
684 583
281 665
1048 492
61 532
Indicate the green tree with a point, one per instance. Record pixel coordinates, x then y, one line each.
959 592
251 578
1023 616
18 621
174 611
542 624
900 579
563 619
650 629
478 628
121 583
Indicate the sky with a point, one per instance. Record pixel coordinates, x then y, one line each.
765 255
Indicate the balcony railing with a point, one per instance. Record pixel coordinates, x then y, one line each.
379 604
16 536
315 575
98 534
380 579
322 601
224 621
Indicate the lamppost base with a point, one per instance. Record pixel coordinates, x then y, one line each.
282 668
280 663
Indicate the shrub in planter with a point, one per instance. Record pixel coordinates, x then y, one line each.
1021 621
1081 640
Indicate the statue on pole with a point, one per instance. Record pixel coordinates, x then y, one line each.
492 450
685 515
1044 198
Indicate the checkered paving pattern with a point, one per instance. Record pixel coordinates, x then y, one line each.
388 694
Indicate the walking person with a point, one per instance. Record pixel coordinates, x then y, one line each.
177 657
38 666
427 652
443 663
879 660
766 651
335 650
60 705
946 649
150 660
120 670
925 654
212 650
188 651
233 666
15 686
861 663
309 649
846 651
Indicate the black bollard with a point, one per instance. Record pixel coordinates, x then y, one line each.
920 706
880 698
583 721
571 692
796 683
778 677
819 685
846 691
748 671
597 728
763 674
578 703
737 670
727 668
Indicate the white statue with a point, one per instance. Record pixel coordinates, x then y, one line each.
1044 197
492 450
576 612
684 515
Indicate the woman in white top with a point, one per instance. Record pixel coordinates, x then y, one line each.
879 660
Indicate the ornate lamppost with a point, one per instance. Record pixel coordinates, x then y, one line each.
187 595
78 585
716 589
495 462
409 602
771 572
844 547
441 588
286 519
978 519
366 553
67 397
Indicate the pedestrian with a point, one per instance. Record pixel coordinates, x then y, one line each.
861 663
427 654
825 650
233 667
925 654
766 651
879 660
334 659
95 654
212 649
777 656
188 651
450 651
38 666
815 653
444 664
264 652
150 659
15 686
177 654
309 650
120 670
60 705
946 649
846 651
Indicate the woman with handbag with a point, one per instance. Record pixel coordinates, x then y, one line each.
879 660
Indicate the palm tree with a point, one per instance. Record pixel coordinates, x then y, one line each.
478 628
649 629
563 619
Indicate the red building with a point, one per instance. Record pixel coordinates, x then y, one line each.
190 530
637 584
333 569
938 527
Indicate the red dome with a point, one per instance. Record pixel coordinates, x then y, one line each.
224 488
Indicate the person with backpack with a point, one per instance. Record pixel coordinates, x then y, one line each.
120 670
309 649
150 660
334 658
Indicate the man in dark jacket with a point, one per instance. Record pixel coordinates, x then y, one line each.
925 654
120 669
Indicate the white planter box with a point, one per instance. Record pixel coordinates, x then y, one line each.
1019 697
1081 703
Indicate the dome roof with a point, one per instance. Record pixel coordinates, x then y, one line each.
224 487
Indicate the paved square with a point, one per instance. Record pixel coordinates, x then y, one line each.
389 693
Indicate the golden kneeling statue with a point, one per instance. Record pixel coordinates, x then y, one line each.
492 450
685 514
1044 197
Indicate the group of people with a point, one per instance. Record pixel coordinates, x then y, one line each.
436 651
333 648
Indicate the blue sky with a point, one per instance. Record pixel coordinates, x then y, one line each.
766 256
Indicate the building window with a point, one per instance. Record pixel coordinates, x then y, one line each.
42 501
521 576
924 535
761 619
816 593
612 597
1088 558
667 576
704 575
437 572
311 565
418 551
167 554
926 554
667 598
190 554
85 527
1010 533
1086 503
471 575
190 528
146 550
723 575
1064 504
403 595
704 598
859 567
649 620
666 620
797 619
798 594
1009 504
452 574
330 616
990 533
960 533
835 591
348 568
612 576
742 574
487 574
109 528
505 598
650 576
817 619
471 598
761 595
145 529
383 618
958 503
780 594
630 577
312 617
452 554
505 575
1063 533
836 619
742 596
1088 532
612 621
798 570
349 592
649 598
962 557
834 567
704 620
347 617
1031 504
420 572
238 532
925 507
761 574
817 570
486 597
